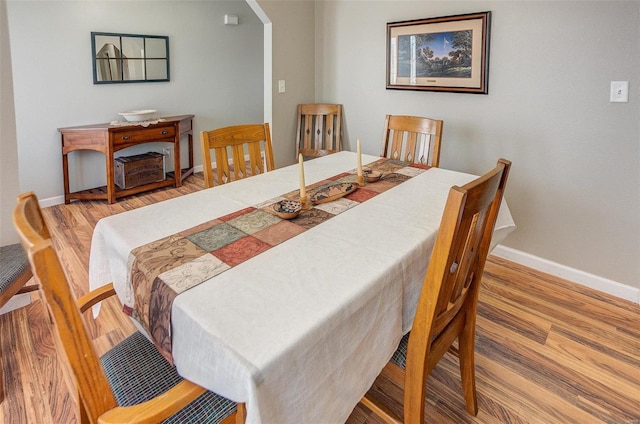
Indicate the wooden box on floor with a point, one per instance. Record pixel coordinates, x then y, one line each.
136 170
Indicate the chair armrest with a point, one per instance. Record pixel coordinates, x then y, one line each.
156 409
28 289
98 295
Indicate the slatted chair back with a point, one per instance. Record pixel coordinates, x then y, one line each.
159 391
412 139
230 145
449 296
319 129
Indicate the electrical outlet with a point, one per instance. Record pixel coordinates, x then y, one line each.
619 92
166 151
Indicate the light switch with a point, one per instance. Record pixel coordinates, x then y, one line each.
619 92
281 86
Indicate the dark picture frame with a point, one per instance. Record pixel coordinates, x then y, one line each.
449 53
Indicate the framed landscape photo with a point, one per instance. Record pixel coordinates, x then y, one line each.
449 53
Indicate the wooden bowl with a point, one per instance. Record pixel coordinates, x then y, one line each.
333 192
287 209
371 176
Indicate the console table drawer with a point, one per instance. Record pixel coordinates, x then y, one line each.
151 134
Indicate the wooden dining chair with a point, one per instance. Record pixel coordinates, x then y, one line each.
318 131
250 139
449 296
412 139
132 383
15 273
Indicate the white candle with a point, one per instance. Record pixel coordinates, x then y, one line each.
303 188
359 158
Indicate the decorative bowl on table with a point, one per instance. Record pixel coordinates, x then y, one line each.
287 209
333 192
371 176
138 115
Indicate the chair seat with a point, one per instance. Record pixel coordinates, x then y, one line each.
400 355
14 263
137 372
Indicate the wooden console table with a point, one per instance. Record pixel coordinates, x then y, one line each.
108 139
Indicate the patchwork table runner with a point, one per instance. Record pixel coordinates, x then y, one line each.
160 270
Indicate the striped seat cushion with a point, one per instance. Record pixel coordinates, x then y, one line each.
13 262
137 372
400 355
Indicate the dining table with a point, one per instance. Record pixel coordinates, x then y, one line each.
300 328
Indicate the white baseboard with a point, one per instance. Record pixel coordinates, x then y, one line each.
51 201
595 282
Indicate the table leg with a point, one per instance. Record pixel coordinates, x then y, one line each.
190 137
111 184
65 177
176 158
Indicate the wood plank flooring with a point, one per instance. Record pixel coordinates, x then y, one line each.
548 351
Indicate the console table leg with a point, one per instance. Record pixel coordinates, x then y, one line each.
65 176
111 185
177 170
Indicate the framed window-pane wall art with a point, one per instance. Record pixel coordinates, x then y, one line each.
123 58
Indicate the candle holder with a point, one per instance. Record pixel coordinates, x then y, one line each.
304 201
360 180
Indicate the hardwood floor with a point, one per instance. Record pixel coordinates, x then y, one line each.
548 351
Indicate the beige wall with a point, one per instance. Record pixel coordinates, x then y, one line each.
216 75
293 61
574 188
9 184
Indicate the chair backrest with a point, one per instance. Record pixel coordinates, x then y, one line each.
449 296
318 132
251 139
95 395
412 139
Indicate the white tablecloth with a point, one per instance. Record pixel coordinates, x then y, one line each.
299 332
